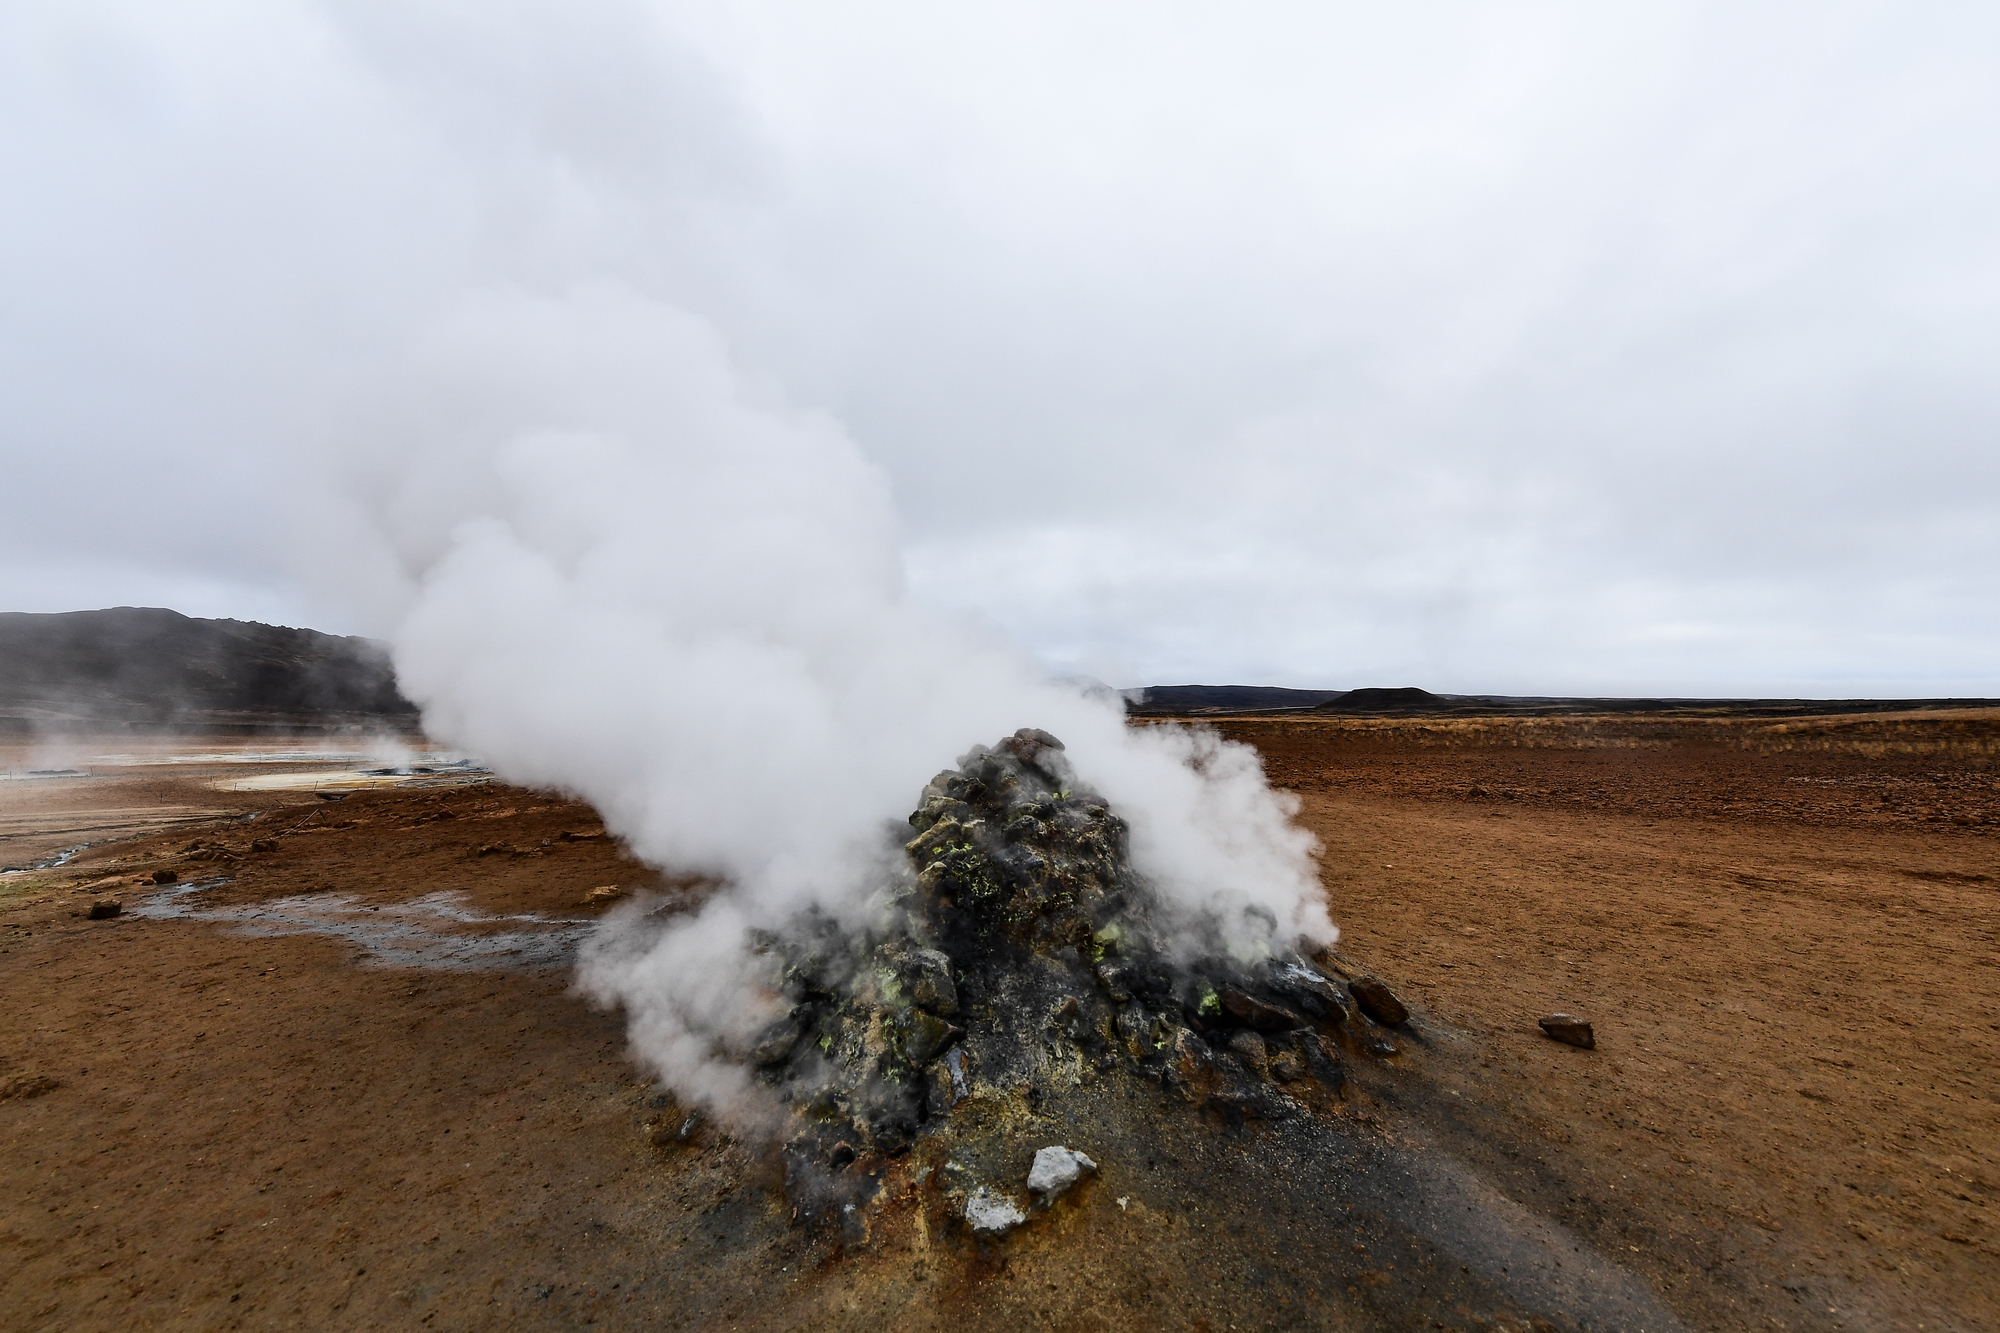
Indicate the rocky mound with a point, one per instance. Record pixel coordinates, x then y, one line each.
1024 958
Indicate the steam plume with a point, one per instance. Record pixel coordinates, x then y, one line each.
637 576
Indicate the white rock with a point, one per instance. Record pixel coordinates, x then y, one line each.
992 1214
1056 1169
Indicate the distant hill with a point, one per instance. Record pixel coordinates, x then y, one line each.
1173 700
1408 701
147 669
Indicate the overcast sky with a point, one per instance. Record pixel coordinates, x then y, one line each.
1540 348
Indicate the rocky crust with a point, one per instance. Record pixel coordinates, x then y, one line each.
1023 957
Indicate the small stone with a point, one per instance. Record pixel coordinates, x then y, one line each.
992 1214
262 845
104 909
931 985
1250 1049
924 1035
1055 1170
1285 1066
1570 1031
603 893
1378 1001
165 877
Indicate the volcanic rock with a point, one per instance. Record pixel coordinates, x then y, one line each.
165 877
1253 1012
1055 1170
1570 1030
1016 955
1378 1001
104 909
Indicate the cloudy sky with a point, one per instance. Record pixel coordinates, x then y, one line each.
1534 348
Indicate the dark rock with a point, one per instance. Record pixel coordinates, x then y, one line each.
331 795
104 909
1252 1012
1285 1065
929 980
1250 1049
1323 1057
1313 992
1378 1001
1191 1066
776 1041
1570 1031
261 845
921 1036
165 877
1112 977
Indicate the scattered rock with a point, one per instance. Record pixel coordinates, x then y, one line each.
1378 1001
603 893
989 1213
261 845
1055 1170
1570 1031
104 909
165 877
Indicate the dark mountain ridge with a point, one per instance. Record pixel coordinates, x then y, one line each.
149 669
1408 701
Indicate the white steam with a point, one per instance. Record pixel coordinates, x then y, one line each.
638 577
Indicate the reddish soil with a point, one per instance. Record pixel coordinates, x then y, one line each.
1786 941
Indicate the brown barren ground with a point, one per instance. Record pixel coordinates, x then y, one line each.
1788 937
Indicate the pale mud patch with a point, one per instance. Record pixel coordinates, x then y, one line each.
435 932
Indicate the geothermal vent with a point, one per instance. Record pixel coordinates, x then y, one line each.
1020 962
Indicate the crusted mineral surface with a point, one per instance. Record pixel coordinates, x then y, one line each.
1019 961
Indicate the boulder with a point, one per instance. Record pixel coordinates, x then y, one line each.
1377 1001
1252 1012
104 909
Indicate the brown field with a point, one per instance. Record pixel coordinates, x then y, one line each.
1787 935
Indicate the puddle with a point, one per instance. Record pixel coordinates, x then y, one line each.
461 772
435 931
49 862
41 774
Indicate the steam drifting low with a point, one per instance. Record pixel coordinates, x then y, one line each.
636 576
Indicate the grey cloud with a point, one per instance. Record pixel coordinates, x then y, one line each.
1587 349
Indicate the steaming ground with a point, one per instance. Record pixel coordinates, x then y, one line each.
1781 938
